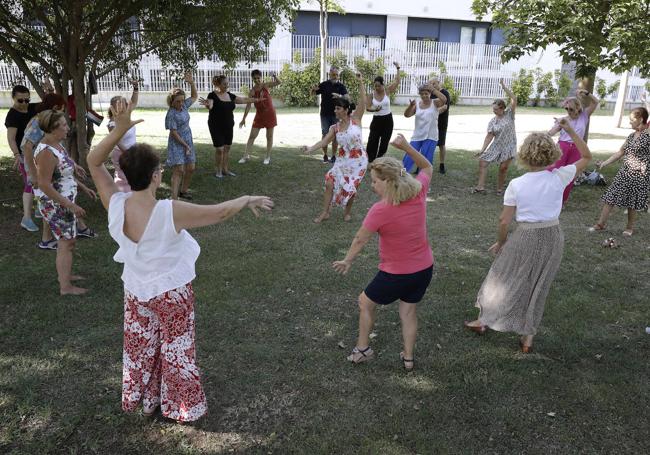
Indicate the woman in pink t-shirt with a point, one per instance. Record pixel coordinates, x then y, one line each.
578 119
406 259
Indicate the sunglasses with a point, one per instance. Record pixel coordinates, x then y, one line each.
22 100
569 109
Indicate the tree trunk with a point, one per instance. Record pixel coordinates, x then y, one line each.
323 39
79 92
619 108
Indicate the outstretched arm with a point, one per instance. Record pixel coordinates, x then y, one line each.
248 108
421 162
188 216
615 157
329 137
106 187
360 239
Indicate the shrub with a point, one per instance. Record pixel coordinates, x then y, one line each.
447 83
544 87
296 84
522 86
563 83
602 90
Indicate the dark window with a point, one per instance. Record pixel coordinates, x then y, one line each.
421 28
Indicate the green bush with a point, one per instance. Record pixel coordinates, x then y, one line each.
544 88
447 83
563 83
522 86
295 89
602 90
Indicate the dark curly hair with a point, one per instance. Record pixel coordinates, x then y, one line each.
345 104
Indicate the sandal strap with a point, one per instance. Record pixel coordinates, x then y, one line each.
356 350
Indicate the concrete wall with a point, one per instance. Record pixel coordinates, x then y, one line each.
459 9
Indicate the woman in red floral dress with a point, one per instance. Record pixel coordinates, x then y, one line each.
159 255
343 179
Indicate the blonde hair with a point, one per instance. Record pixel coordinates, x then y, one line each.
173 93
400 185
573 102
49 119
538 150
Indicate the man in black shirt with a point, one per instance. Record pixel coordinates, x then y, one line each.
329 90
16 121
443 121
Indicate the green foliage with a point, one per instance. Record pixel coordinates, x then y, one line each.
544 87
563 83
601 34
296 84
522 86
647 85
603 90
447 83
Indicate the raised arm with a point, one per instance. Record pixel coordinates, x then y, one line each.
421 162
392 88
134 95
188 216
513 98
106 187
441 99
588 101
190 80
585 153
410 109
362 237
274 83
555 129
361 102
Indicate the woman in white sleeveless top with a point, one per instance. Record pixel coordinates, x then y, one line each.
425 134
159 255
381 127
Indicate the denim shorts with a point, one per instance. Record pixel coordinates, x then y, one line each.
326 121
386 287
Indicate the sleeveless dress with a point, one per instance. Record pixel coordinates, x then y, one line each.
61 220
351 163
504 145
264 111
127 141
221 119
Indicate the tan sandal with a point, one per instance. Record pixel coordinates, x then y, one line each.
360 355
597 227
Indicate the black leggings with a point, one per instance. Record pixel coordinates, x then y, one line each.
381 129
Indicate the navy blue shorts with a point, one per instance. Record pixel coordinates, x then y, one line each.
385 287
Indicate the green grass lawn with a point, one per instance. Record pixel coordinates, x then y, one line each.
270 315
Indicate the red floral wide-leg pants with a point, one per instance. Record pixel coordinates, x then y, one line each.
159 357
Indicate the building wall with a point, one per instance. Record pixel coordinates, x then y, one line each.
457 10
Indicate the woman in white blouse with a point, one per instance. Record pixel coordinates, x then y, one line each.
381 127
159 255
513 295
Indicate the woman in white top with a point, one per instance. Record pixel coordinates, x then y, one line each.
127 141
381 127
425 135
158 255
513 295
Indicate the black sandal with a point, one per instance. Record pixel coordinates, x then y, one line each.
405 361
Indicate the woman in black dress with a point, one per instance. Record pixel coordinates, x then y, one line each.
221 121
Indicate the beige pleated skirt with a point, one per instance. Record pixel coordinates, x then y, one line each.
513 294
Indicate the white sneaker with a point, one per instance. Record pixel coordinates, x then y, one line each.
243 160
267 160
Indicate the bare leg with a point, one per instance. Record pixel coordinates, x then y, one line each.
177 177
409 318
327 202
28 199
527 340
503 172
224 159
348 209
269 143
441 156
367 310
46 236
604 214
218 159
631 217
482 174
249 144
187 177
64 268
335 147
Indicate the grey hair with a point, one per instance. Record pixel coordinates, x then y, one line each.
334 67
